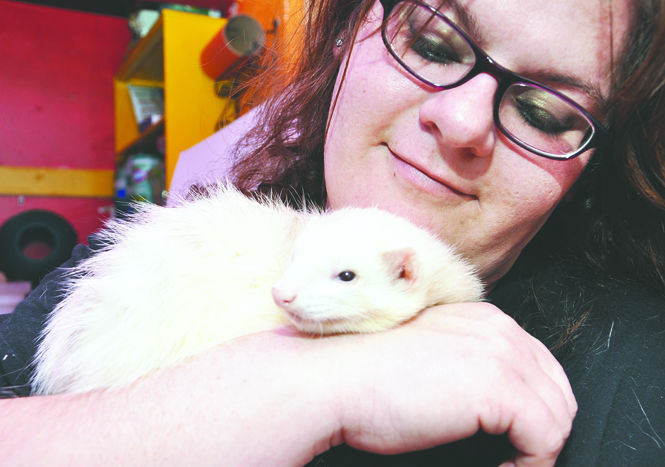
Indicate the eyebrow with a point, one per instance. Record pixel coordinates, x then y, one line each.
592 90
468 22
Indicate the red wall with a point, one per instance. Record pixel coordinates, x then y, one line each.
56 99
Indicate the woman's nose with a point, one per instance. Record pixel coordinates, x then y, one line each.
462 117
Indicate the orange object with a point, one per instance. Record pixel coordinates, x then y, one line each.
228 50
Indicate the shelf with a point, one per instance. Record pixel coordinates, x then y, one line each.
49 181
169 57
145 141
146 60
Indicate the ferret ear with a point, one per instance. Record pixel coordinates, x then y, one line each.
402 264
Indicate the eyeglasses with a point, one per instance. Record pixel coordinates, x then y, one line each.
437 52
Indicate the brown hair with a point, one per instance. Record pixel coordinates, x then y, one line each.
616 217
289 136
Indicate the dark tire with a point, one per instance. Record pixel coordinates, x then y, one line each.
36 230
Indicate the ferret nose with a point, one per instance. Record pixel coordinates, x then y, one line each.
281 297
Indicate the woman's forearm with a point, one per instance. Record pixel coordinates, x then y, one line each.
241 404
275 398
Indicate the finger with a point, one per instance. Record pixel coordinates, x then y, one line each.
555 371
536 435
489 322
486 319
539 403
540 370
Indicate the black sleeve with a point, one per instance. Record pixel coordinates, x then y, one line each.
19 330
613 354
619 383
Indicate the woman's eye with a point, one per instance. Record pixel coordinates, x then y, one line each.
432 43
346 276
434 50
540 118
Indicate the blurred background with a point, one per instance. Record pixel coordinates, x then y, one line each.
97 101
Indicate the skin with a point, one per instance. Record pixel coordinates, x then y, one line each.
267 399
437 157
276 398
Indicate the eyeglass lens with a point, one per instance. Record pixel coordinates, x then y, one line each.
429 47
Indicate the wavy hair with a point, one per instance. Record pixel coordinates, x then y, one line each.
285 148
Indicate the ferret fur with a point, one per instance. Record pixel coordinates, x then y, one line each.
172 282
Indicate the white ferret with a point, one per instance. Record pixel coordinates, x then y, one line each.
175 281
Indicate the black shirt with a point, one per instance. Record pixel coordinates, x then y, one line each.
609 336
19 330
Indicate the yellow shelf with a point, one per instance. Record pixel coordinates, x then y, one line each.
144 142
168 57
34 181
146 60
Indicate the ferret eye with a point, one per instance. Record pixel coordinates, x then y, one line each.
346 276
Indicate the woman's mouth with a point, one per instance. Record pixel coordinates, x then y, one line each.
425 181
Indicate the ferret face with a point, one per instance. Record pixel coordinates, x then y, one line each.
344 278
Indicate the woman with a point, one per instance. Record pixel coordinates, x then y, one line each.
437 158
418 135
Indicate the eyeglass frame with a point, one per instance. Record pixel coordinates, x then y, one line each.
505 79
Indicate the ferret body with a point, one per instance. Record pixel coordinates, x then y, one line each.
175 281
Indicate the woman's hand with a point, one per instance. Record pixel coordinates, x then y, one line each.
450 372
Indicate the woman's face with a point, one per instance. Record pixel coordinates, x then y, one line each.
437 158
